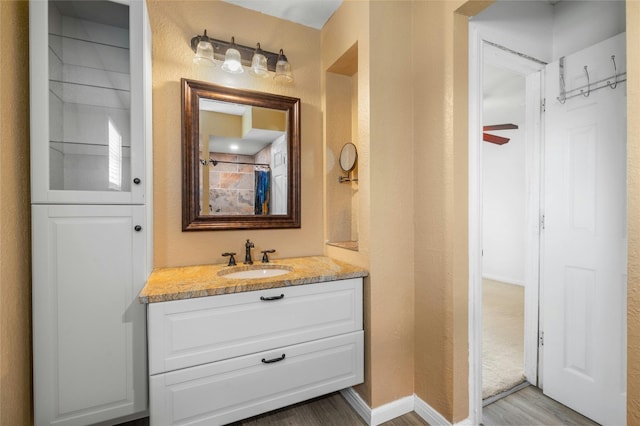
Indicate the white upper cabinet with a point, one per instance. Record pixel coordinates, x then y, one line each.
90 70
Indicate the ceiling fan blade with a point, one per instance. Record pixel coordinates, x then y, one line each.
498 140
500 127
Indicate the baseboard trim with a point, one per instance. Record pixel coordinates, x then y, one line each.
390 411
429 414
357 403
397 408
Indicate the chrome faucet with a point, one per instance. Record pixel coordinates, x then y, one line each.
247 257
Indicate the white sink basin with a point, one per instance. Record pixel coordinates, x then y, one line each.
256 272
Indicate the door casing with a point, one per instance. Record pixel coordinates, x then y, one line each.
479 49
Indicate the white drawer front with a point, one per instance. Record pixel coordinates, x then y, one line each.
185 333
226 391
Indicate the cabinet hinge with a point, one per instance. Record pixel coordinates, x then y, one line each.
543 105
541 338
541 221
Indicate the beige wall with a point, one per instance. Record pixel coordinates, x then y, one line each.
385 186
15 226
173 24
633 215
440 153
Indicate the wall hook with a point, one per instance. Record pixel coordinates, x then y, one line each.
563 94
586 95
615 73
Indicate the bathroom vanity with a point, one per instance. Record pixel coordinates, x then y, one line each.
223 349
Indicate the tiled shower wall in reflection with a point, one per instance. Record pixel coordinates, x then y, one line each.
232 186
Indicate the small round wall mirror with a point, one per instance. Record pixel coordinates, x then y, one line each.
348 157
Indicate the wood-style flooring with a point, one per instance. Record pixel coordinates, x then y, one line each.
529 407
328 410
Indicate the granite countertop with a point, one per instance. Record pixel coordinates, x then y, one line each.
187 282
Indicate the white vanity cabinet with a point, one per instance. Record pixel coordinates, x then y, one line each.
218 359
90 138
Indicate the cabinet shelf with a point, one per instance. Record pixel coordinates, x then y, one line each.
93 86
84 40
92 95
85 148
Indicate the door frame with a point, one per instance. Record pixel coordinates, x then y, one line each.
481 46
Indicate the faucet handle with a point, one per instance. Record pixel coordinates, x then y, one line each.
232 260
265 258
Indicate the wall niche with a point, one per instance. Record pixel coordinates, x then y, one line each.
341 121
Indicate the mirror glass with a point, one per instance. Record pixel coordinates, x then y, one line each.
241 152
348 157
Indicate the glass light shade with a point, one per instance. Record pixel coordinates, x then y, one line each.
204 54
259 63
232 61
283 69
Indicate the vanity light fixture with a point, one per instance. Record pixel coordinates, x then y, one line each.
232 59
259 63
283 69
204 50
235 56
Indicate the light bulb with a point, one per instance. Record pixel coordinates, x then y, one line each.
232 59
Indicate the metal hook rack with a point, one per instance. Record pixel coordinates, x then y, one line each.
586 89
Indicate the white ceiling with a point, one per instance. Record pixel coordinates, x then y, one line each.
254 140
502 88
311 13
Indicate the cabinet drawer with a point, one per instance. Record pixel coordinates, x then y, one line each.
185 333
229 390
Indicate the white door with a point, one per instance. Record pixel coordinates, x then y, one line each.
584 238
279 176
89 331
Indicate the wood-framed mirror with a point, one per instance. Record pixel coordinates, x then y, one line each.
241 158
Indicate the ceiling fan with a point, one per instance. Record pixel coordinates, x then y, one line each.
498 140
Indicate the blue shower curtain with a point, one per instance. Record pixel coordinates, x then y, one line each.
263 192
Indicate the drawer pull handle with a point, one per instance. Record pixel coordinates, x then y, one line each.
270 361
266 299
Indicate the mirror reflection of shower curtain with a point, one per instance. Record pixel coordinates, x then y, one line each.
263 192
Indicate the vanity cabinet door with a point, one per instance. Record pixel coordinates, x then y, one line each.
90 65
89 345
184 333
233 389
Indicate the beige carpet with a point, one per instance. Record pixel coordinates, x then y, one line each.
502 336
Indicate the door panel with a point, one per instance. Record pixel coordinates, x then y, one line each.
279 176
584 241
89 345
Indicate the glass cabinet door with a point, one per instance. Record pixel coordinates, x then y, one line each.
90 140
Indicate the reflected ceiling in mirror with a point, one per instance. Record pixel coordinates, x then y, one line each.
241 158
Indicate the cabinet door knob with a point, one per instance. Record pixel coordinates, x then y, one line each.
136 181
138 228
